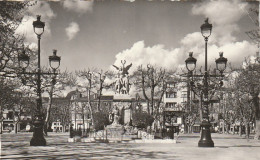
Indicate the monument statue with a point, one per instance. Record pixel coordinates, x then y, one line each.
115 116
122 81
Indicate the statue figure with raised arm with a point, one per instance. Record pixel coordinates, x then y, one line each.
122 82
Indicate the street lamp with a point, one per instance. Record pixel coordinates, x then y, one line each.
23 61
191 62
221 62
54 60
38 26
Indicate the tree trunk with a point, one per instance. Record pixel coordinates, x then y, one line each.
223 127
148 107
63 128
189 129
152 100
100 93
257 117
144 93
247 130
99 101
240 129
90 106
83 125
1 127
16 127
257 130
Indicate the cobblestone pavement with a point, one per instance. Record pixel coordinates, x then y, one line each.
227 147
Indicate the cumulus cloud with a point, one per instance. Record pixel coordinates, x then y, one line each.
26 28
143 55
78 6
223 14
72 30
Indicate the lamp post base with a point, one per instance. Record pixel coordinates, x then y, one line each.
38 138
205 139
38 141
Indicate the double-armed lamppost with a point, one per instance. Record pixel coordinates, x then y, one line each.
221 62
54 62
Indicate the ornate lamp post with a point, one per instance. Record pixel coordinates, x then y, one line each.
23 60
221 62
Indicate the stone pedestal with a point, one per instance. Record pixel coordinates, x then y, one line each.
127 116
114 132
75 139
88 140
123 102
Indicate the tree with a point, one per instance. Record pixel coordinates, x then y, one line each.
60 111
24 105
254 35
91 83
53 86
152 80
102 77
248 83
142 119
101 121
11 43
17 100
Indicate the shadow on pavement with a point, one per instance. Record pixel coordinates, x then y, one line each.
237 146
227 138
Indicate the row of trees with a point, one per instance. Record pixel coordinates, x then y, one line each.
241 96
149 81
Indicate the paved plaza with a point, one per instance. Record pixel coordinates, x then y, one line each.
227 147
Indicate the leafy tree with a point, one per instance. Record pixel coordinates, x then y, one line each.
19 101
60 111
101 119
142 119
248 85
11 15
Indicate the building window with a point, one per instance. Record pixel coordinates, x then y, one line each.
184 96
79 116
170 85
54 123
171 94
170 105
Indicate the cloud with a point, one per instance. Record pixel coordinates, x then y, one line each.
139 54
26 28
223 14
78 6
72 30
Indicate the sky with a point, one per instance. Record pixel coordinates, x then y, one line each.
98 34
